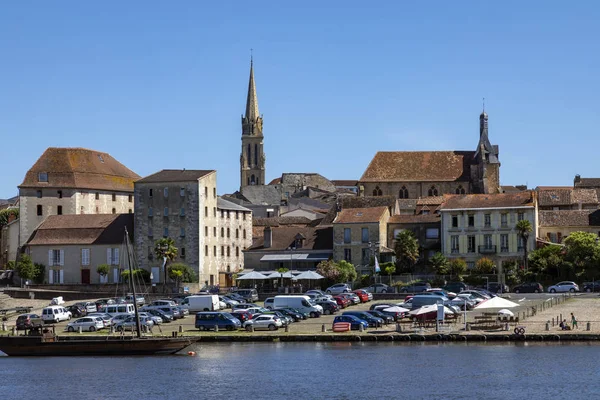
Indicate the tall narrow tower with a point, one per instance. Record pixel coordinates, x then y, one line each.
252 159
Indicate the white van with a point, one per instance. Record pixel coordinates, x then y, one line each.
301 303
164 303
55 314
117 309
209 302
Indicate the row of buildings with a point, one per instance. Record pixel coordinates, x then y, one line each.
75 204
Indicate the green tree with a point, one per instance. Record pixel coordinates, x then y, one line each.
406 247
524 228
6 214
10 265
140 274
549 260
338 272
165 250
484 266
347 271
583 251
282 271
458 267
103 270
440 264
40 273
389 268
180 272
25 267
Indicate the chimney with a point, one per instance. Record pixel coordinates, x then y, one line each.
268 237
577 179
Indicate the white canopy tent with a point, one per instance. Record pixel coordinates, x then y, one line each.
277 275
309 275
252 276
496 302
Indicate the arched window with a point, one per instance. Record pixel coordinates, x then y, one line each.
237 233
255 154
248 181
433 191
460 190
228 232
237 251
403 193
252 180
249 157
228 251
377 191
222 232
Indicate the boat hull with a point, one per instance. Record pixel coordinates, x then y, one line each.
22 346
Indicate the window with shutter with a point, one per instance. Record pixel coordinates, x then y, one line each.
50 276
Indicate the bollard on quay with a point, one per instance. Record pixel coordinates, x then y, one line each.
361 328
287 328
588 326
12 330
216 328
553 321
3 326
547 325
323 328
79 329
398 327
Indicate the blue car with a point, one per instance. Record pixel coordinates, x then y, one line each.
355 322
208 320
365 316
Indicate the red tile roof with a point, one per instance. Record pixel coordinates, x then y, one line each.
423 166
414 219
471 201
82 229
360 215
77 168
283 237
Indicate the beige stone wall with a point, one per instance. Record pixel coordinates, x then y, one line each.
72 265
72 202
415 189
377 233
565 231
232 240
10 241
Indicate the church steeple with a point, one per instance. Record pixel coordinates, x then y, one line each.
252 159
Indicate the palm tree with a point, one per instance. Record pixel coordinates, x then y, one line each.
165 250
407 249
523 229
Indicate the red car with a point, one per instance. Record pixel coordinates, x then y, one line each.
341 301
362 295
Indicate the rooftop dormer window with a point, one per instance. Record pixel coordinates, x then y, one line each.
100 158
43 177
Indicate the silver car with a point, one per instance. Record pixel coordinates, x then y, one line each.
339 288
264 321
129 324
90 324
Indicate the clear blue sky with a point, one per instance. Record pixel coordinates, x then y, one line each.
163 84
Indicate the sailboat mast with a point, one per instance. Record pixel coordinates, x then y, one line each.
135 307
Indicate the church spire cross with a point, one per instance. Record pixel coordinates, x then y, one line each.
252 100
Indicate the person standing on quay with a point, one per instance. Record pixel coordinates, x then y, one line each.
573 321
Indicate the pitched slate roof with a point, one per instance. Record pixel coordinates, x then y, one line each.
360 202
175 175
264 195
223 204
82 229
566 196
77 168
360 215
277 221
588 182
423 166
569 218
317 238
472 201
414 219
584 196
345 182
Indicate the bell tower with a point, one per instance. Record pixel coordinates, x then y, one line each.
252 158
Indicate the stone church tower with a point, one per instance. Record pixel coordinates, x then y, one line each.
252 159
485 173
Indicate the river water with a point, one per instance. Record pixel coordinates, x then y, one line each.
316 371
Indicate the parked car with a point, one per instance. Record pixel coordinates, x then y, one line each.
241 315
55 314
245 306
157 320
564 286
591 286
287 320
379 288
363 295
270 322
365 316
354 322
319 293
339 288
329 306
28 321
102 303
129 324
268 304
387 319
90 324
440 292
249 295
455 287
296 316
106 318
480 294
496 287
530 287
354 299
236 297
229 303
122 317
209 319
464 300
88 305
76 311
416 287
140 300
158 313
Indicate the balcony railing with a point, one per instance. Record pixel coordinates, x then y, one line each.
454 251
487 249
503 249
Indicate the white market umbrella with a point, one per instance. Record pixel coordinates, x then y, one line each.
429 309
496 302
505 312
277 275
252 276
395 309
309 275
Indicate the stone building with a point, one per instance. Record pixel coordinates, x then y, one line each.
557 225
566 198
183 205
72 246
426 228
360 234
414 174
73 181
479 225
252 158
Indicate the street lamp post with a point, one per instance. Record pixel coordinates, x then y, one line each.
291 249
525 239
487 283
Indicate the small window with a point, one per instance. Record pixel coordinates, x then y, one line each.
488 220
214 231
237 215
222 251
166 232
114 210
166 211
228 251
42 177
130 198
455 221
215 251
222 213
222 232
114 197
59 192
244 216
182 252
228 232
365 235
205 191
237 252
237 233
244 233
471 220
39 209
205 250
377 191
347 235
59 210
460 190
206 231
432 233
182 232
504 220
150 193
215 192
182 192
403 194
130 211
166 192
206 211
215 212
227 213
39 194
432 191
520 216
97 196
150 212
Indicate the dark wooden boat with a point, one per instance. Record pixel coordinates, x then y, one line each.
46 343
